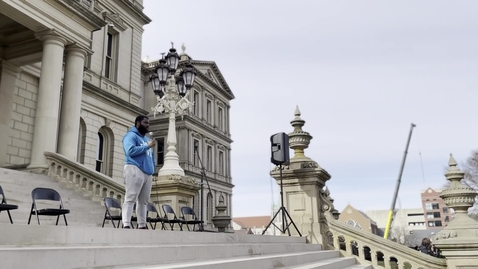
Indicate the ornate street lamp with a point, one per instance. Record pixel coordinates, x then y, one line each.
172 95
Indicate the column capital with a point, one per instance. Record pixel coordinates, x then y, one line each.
10 68
51 35
75 48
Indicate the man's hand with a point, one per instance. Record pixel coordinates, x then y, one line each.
151 143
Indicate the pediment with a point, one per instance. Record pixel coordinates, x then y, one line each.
210 72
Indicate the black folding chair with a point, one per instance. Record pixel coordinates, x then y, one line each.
50 195
112 203
155 219
189 217
4 206
169 211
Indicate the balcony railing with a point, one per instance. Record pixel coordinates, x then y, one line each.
380 252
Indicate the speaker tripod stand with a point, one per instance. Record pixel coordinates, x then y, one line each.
286 219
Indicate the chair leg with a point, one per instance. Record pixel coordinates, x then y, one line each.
57 218
38 218
10 216
64 217
118 223
30 217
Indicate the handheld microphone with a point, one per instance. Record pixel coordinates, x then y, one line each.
150 134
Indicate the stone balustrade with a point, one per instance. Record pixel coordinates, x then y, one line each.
76 176
379 252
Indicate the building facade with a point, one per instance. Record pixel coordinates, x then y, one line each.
72 82
358 219
437 214
207 127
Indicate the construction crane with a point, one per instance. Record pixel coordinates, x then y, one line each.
397 187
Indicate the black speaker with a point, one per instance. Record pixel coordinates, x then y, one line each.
280 149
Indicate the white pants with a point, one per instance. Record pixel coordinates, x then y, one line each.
138 188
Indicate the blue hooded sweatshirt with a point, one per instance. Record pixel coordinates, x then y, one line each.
137 152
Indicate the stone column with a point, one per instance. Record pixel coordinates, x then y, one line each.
71 102
9 75
458 241
303 181
46 118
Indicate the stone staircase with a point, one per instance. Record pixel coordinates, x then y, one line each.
60 247
18 186
84 245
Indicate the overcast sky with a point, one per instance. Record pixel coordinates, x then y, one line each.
360 71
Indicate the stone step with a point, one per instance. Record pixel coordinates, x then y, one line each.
359 266
334 263
44 235
262 261
18 186
85 256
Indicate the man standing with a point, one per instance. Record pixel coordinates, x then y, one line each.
138 171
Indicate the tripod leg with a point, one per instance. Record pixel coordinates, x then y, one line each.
271 222
291 222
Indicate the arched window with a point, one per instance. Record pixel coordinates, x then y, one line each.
104 151
100 153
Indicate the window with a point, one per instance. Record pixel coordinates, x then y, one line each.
430 216
195 154
196 103
220 119
209 158
428 206
160 149
415 214
435 206
436 223
110 55
104 154
447 219
445 209
221 163
436 215
99 152
208 111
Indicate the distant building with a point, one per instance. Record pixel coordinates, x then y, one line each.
358 219
253 225
436 213
412 218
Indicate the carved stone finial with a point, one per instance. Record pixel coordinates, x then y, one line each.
459 197
299 140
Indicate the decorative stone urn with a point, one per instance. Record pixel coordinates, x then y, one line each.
221 221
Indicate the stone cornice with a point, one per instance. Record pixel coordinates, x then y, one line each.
86 14
224 87
112 98
136 10
149 67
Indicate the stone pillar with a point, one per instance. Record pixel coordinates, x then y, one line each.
46 117
71 102
175 190
9 74
305 198
458 241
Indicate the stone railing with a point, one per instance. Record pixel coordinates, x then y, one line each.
380 252
77 176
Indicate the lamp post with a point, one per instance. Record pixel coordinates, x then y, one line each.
172 95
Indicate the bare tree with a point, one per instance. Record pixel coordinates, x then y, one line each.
470 167
403 235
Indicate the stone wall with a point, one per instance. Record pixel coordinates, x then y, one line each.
22 119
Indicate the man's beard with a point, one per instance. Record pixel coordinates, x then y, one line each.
142 130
